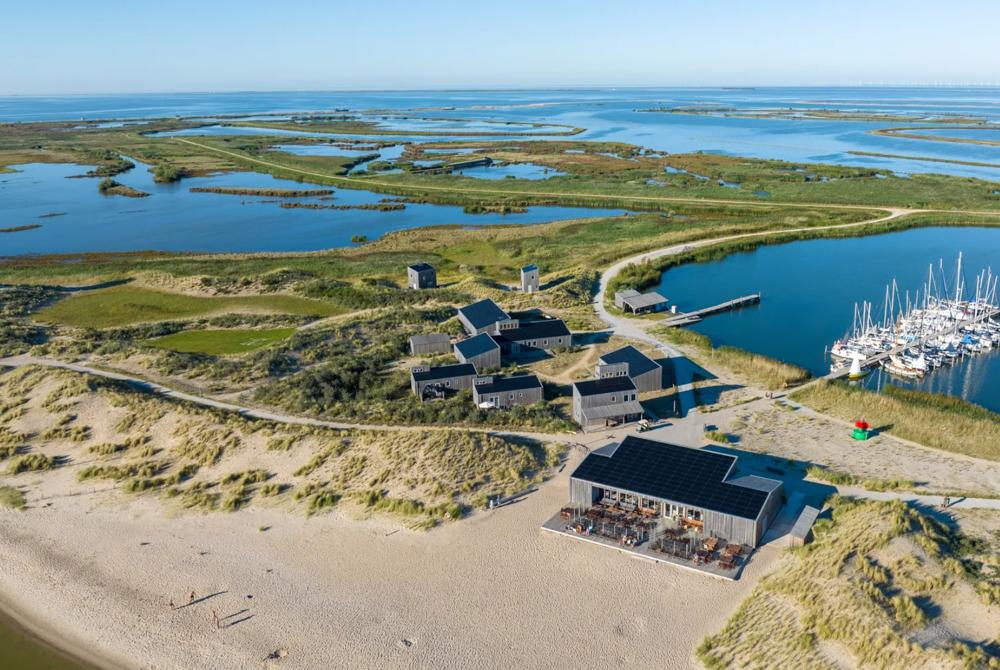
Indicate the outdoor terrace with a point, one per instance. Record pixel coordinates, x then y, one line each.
644 533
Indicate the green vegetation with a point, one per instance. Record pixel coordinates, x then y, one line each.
36 462
109 186
165 173
856 589
755 368
18 229
265 192
123 305
221 342
838 478
937 421
12 498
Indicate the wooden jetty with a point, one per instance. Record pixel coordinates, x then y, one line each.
687 318
485 161
878 358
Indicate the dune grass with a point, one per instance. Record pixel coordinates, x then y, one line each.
937 421
856 589
11 497
123 305
221 342
763 371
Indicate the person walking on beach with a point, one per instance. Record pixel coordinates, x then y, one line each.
172 606
215 618
191 598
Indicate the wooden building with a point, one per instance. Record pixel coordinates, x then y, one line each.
518 337
435 343
481 317
683 485
611 401
631 301
421 275
645 373
503 392
481 350
429 383
530 278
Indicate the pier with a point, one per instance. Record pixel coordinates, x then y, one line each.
878 358
687 318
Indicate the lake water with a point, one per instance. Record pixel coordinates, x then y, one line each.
528 171
606 114
809 289
174 219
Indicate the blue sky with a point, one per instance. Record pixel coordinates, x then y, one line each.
58 46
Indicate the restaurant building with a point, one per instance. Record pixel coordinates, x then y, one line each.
684 485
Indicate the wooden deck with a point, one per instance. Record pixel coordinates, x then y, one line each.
687 318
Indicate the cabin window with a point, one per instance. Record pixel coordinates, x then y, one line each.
545 343
447 383
612 399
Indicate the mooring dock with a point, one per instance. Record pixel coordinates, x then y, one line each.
879 357
687 318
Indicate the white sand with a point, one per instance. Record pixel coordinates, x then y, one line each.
493 591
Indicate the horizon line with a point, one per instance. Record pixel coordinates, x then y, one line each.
472 89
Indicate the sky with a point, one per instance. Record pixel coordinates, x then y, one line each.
63 47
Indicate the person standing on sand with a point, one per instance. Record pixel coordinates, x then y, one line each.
215 618
191 598
172 606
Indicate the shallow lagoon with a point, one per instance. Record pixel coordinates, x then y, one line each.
809 289
174 219
529 171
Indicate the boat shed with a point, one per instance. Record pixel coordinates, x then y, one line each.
482 351
481 317
645 373
641 303
689 485
435 343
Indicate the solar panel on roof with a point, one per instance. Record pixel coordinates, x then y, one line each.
670 472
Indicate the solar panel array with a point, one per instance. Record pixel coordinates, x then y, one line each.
683 475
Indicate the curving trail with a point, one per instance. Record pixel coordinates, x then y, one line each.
635 329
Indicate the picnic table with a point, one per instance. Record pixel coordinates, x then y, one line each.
710 543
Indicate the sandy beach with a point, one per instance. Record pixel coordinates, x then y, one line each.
493 591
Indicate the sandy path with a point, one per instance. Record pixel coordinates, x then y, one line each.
491 592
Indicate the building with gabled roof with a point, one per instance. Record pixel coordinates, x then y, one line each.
645 373
521 336
632 301
481 316
429 383
610 401
481 350
503 392
434 343
695 486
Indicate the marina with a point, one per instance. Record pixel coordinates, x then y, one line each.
929 333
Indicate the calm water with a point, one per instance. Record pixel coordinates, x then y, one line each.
606 114
528 171
19 650
809 289
174 219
